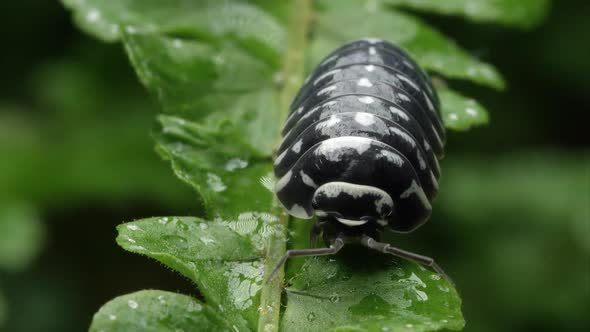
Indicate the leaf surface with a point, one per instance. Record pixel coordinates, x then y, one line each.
360 291
157 311
460 112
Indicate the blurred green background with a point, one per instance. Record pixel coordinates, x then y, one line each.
511 225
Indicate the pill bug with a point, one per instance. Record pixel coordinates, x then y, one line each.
360 149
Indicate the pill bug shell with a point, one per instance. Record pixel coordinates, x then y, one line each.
362 140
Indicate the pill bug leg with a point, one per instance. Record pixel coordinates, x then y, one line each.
386 248
334 248
315 232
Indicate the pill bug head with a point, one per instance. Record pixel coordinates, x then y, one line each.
352 204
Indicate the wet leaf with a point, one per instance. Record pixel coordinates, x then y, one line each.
157 311
522 13
460 112
363 292
222 257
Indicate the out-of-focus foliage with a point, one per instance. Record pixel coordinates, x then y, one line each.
521 13
21 236
2 308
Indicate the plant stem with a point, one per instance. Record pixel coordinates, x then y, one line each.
270 298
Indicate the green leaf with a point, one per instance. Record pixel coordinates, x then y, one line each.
208 19
460 112
21 236
432 50
222 257
360 292
152 310
521 13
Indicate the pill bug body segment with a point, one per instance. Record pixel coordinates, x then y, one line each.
362 141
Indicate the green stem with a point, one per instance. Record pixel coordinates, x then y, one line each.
270 301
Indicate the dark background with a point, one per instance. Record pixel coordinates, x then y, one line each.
512 224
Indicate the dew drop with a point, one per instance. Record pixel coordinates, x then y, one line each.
215 182
112 317
132 304
311 317
175 240
206 240
409 326
193 306
180 224
334 298
235 163
163 221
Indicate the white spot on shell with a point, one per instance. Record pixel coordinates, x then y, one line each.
421 160
391 157
403 97
408 64
434 180
364 119
399 113
438 139
307 180
409 81
366 100
403 135
332 121
299 212
297 146
332 148
415 189
369 68
326 74
372 50
326 90
330 59
280 157
365 82
352 223
428 102
283 181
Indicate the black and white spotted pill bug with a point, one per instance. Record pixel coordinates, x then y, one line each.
360 149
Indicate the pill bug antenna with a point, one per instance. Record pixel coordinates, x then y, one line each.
386 248
334 248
